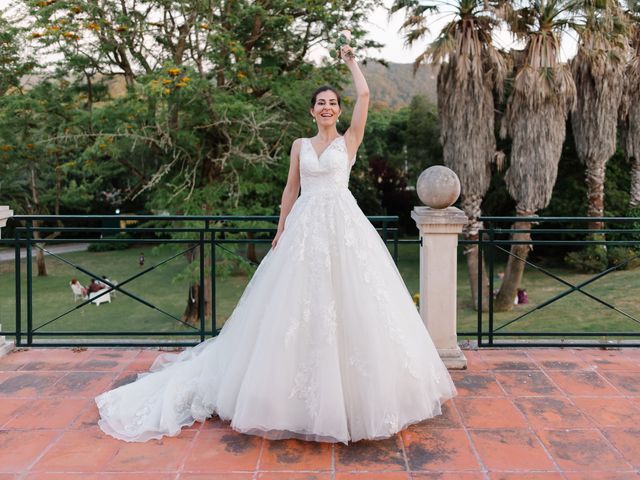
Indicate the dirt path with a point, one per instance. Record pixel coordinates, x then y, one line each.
8 254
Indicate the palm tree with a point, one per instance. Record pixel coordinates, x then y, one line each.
471 70
630 111
543 91
599 72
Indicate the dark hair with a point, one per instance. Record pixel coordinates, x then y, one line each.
324 88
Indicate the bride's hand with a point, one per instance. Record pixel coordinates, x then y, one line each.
275 240
346 53
346 34
344 47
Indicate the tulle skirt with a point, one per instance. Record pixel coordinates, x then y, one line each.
325 344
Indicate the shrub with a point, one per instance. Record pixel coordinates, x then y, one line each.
618 255
110 246
596 258
591 259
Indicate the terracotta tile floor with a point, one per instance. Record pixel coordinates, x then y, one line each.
520 414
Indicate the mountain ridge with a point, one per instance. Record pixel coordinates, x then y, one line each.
395 85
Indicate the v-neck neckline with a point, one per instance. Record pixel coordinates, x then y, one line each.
318 156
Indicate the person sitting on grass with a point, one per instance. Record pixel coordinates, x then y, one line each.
77 288
95 286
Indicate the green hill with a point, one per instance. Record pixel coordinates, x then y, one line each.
393 86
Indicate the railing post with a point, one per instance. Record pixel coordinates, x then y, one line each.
201 291
439 226
395 246
5 214
480 305
213 284
18 275
28 247
491 260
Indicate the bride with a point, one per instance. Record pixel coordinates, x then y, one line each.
325 343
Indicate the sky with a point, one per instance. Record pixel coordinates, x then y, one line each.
379 28
385 30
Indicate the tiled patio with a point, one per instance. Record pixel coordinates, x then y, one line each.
534 414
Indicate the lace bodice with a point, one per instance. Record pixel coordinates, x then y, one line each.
328 171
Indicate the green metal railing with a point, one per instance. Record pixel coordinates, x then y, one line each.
496 240
209 236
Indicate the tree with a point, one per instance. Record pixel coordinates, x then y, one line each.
14 64
397 147
630 110
543 92
471 70
598 72
36 177
422 137
212 89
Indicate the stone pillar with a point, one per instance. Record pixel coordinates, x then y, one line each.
5 346
5 213
439 225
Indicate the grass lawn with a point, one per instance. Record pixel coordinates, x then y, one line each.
166 289
573 313
163 287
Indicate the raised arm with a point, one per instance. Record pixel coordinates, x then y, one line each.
291 189
355 133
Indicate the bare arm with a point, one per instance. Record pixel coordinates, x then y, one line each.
355 133
291 189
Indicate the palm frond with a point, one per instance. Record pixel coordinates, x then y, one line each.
415 35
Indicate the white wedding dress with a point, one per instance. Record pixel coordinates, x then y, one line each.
325 343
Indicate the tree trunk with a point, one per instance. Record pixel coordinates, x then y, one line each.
89 100
42 266
473 258
251 249
595 191
471 205
634 197
515 269
191 313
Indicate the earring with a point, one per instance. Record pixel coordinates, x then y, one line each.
313 119
338 120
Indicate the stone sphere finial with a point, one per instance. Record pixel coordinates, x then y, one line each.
438 187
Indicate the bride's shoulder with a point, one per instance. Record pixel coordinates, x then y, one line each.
296 147
297 144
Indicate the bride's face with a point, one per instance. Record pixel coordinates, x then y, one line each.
326 109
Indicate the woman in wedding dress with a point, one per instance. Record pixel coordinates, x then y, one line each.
325 343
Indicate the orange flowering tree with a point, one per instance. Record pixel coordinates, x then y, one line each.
13 64
189 106
38 175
